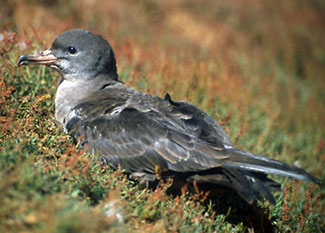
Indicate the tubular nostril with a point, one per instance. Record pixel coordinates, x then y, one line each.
22 60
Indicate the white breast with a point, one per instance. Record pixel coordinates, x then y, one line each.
68 95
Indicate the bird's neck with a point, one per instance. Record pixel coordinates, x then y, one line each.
72 92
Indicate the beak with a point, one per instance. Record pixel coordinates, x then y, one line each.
44 58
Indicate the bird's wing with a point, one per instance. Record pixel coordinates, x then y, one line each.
212 134
200 124
141 140
142 133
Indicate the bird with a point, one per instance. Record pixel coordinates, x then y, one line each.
149 137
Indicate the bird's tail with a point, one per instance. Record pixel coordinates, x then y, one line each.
250 162
248 185
247 174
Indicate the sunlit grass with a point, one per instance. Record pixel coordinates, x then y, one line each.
260 78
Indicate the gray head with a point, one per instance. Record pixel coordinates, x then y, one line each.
77 54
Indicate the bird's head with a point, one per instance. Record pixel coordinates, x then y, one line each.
77 54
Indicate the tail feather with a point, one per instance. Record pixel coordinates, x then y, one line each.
248 185
241 184
262 177
246 173
248 161
262 187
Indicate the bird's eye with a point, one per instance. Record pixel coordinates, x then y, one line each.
72 50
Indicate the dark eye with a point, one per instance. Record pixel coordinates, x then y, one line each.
72 50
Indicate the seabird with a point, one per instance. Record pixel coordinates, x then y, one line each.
147 136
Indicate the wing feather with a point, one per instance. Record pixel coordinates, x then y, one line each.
138 137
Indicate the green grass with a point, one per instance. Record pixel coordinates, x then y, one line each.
262 80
